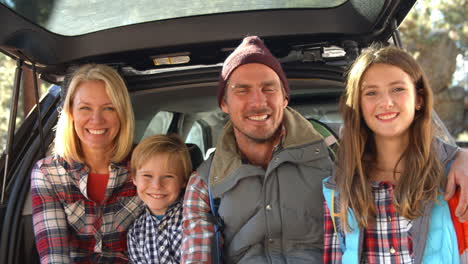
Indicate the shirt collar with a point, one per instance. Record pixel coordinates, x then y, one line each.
174 206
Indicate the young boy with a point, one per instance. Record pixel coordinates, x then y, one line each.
161 167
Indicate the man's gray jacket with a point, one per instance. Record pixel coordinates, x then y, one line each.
273 215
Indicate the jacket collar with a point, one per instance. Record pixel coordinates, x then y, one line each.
227 158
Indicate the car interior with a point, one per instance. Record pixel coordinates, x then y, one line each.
188 108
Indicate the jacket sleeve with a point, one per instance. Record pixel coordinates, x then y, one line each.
49 220
198 231
445 151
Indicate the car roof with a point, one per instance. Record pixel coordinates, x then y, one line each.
204 39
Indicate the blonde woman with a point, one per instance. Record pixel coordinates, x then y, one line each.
83 197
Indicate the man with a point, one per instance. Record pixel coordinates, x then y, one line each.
267 170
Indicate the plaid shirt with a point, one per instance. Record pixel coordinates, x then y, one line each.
388 240
157 241
69 227
198 231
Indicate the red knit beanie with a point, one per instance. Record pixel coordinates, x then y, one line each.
251 50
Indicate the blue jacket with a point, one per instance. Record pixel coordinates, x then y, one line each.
434 237
436 232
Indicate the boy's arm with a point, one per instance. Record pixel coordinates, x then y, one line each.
198 231
458 175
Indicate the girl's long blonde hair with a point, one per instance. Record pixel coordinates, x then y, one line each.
422 177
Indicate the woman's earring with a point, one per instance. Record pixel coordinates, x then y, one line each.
418 107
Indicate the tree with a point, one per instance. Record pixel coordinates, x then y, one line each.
7 70
38 11
436 33
26 98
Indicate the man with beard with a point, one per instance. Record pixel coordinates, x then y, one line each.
266 172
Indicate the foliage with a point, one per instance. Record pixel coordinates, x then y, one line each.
38 11
7 75
429 15
7 71
436 33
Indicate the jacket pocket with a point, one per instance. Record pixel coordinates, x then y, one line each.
232 181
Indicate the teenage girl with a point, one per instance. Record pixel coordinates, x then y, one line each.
384 204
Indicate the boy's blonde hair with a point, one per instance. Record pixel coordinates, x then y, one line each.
162 144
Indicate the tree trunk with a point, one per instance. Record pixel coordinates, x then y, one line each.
438 58
28 90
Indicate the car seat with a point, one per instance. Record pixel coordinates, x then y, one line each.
196 155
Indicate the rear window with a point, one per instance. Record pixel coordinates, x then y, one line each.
72 17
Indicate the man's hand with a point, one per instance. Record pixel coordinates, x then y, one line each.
458 175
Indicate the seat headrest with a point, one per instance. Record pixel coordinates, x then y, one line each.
196 155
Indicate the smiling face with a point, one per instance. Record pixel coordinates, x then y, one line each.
388 101
255 102
159 182
95 119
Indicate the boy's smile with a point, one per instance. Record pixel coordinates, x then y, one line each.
159 182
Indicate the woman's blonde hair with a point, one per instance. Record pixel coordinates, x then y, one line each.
162 144
422 177
67 143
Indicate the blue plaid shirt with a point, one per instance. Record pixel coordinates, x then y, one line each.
157 241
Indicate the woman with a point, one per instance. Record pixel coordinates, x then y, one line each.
83 197
385 200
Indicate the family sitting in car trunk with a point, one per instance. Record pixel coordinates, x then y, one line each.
270 193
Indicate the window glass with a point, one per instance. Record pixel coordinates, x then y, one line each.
72 17
195 136
159 124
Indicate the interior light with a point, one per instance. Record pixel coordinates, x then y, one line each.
171 60
333 52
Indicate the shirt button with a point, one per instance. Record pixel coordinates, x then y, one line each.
161 227
392 250
271 241
389 218
161 248
268 207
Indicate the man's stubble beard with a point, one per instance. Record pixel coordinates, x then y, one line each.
258 140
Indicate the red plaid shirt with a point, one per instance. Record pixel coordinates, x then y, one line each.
68 226
387 240
198 231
